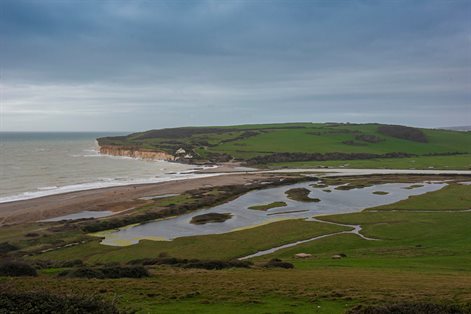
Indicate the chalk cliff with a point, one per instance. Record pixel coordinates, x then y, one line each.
135 153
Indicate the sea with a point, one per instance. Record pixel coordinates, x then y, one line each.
40 164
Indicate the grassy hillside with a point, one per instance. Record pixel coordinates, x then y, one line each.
300 142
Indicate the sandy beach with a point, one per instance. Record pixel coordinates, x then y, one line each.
114 198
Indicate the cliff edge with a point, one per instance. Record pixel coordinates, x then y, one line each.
115 150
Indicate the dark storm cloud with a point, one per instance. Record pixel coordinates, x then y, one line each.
146 64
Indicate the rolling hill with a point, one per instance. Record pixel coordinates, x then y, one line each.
290 143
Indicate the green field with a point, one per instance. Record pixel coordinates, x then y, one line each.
457 162
331 144
422 254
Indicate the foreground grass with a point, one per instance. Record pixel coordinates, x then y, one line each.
334 289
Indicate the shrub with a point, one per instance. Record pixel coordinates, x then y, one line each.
211 265
38 303
40 264
368 138
83 272
124 272
278 263
191 263
411 308
16 269
111 272
403 132
32 235
289 157
6 247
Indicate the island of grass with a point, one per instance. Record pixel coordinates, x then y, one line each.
352 186
319 185
301 195
210 217
266 207
413 186
380 193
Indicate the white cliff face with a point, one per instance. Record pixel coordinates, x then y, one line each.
135 153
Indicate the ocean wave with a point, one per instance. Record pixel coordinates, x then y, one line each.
102 183
46 188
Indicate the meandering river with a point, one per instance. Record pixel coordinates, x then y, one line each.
333 202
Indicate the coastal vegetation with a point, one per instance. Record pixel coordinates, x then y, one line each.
40 302
265 207
380 193
188 202
420 243
106 272
210 217
301 195
310 144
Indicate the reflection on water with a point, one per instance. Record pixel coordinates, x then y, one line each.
334 202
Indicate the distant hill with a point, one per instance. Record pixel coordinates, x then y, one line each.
289 142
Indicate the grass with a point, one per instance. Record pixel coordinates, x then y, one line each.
220 246
266 207
380 193
414 241
458 162
420 257
301 195
451 197
210 218
316 290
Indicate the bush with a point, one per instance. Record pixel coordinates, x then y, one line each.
39 303
32 235
6 247
124 272
111 272
411 308
16 269
211 265
191 263
83 272
278 263
40 264
289 157
403 132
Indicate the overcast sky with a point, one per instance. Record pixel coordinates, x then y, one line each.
135 65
